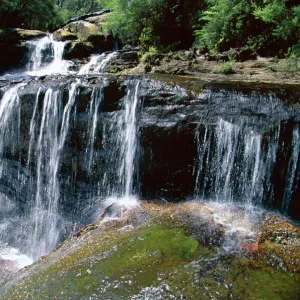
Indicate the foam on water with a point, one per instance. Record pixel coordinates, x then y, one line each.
57 65
13 254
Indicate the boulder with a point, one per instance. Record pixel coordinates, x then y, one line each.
19 35
64 35
13 49
78 49
130 55
88 34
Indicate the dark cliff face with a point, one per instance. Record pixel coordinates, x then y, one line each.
221 144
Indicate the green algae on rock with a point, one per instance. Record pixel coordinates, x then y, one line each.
154 252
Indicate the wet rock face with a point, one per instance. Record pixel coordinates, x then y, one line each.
13 49
77 49
184 138
160 251
123 61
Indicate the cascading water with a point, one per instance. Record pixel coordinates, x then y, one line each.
47 57
97 98
74 151
292 177
130 138
97 63
120 135
234 165
48 130
104 62
9 135
49 147
86 68
9 106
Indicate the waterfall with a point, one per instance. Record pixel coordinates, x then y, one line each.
120 141
96 99
9 106
72 152
39 46
130 141
292 178
104 62
86 68
233 164
47 57
50 143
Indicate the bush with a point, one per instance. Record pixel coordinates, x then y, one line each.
158 23
269 27
227 68
34 14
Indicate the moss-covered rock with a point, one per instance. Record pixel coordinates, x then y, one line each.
64 35
78 49
87 38
152 252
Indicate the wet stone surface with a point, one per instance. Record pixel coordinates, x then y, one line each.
152 252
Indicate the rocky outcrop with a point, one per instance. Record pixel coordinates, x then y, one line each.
86 35
124 60
13 42
160 251
170 120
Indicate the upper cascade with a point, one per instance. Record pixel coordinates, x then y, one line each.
47 57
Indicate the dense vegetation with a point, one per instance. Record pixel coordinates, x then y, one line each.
270 27
42 14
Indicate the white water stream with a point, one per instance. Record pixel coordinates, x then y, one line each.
47 57
97 63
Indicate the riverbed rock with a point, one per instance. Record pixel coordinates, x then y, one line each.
123 61
149 252
280 243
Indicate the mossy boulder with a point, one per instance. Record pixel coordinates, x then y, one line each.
83 29
18 35
85 34
78 49
153 252
64 35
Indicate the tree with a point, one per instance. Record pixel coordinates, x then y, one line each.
33 14
159 23
72 8
269 27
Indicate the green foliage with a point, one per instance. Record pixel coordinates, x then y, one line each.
285 19
227 68
267 26
29 14
157 23
73 8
